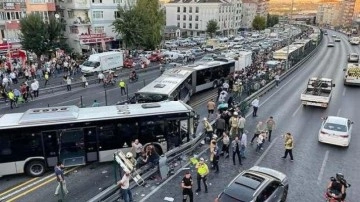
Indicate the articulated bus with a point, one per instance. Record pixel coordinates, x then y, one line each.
37 139
181 83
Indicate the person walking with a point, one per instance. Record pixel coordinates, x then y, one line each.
260 141
68 83
11 97
235 144
225 146
241 124
258 130
59 173
243 144
289 145
234 123
125 187
46 78
220 125
122 86
35 88
101 77
270 126
202 172
211 107
208 129
186 184
137 147
255 105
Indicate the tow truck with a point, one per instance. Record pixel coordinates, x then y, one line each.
318 92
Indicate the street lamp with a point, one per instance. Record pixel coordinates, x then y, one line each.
289 36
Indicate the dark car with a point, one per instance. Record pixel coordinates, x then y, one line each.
258 184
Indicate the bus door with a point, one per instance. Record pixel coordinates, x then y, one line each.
72 147
91 147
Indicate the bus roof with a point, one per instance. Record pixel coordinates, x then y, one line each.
73 114
168 81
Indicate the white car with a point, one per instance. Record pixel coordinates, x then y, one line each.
331 44
336 131
337 39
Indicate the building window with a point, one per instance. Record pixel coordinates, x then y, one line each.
68 1
117 1
178 24
97 1
196 9
196 26
184 17
190 26
190 9
184 9
70 14
99 30
178 9
190 17
197 18
74 30
98 14
116 14
178 17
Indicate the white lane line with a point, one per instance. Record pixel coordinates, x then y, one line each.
338 112
266 151
296 111
344 91
323 167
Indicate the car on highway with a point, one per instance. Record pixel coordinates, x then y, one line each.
336 131
258 184
331 44
334 36
337 39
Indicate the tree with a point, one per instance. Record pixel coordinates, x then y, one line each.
272 20
38 36
212 27
259 23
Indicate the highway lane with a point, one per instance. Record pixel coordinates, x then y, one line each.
309 173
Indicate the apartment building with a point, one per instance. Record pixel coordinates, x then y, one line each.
328 14
192 16
249 13
262 8
347 12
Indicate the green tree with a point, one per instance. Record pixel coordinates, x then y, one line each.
259 23
272 20
212 27
38 36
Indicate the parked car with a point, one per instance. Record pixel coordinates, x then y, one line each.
155 57
258 184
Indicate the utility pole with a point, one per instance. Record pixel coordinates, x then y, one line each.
289 36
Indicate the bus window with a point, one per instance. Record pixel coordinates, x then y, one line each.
25 145
128 132
203 77
5 148
152 131
107 138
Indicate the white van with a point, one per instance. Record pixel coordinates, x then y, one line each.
102 62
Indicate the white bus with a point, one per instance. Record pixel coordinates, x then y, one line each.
352 74
181 83
31 142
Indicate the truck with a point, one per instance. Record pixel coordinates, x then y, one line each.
318 92
352 74
244 60
102 62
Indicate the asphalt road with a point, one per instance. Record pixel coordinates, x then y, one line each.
314 163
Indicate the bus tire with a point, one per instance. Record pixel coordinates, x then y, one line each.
215 84
35 168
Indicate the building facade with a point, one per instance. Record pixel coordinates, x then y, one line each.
347 12
328 14
192 16
249 13
262 8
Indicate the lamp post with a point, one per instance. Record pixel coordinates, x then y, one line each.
289 36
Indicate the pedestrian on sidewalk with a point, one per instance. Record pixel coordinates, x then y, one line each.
235 144
255 105
59 173
211 107
68 83
122 86
208 129
225 146
125 187
270 126
187 184
202 172
289 145
243 143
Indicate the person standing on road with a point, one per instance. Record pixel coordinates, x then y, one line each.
84 81
220 125
11 97
202 172
255 105
216 156
235 144
68 83
59 173
208 129
35 88
122 86
277 80
270 125
125 187
225 146
211 107
101 77
241 125
46 78
289 145
137 147
187 184
243 143
259 129
234 123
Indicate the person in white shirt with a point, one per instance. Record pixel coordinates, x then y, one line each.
101 77
35 88
68 83
5 81
13 77
222 96
225 86
277 80
125 187
255 105
243 144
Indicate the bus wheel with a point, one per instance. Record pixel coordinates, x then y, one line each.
35 168
215 84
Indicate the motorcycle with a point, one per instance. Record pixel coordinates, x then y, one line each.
133 79
108 82
332 196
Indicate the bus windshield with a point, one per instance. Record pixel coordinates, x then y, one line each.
146 98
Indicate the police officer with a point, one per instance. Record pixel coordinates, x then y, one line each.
202 172
186 184
122 85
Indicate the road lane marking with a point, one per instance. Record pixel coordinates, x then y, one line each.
338 112
296 111
18 186
266 151
344 91
30 187
323 167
